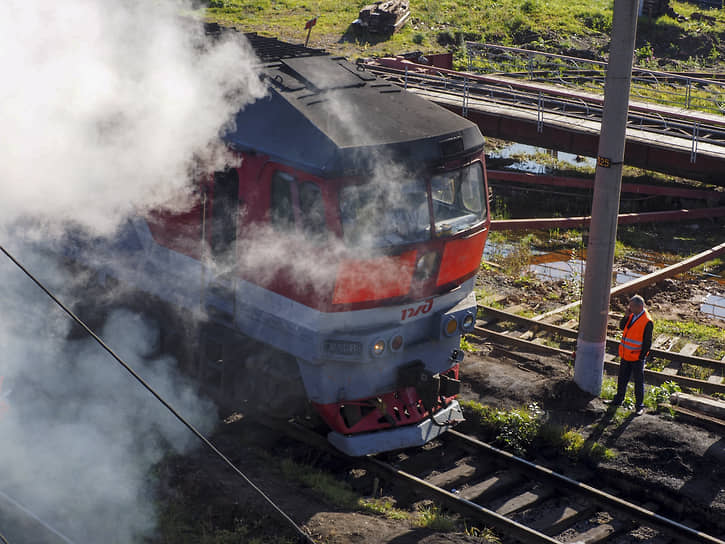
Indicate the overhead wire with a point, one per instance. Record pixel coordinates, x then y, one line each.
25 510
167 405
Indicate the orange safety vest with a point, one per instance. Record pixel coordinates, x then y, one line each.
632 336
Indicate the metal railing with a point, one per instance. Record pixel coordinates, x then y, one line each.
669 88
547 101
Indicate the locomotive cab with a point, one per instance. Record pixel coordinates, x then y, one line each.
365 216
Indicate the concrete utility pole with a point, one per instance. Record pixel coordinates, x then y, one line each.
591 344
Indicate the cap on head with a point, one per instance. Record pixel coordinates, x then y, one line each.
638 300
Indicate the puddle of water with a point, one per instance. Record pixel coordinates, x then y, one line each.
568 264
713 305
514 149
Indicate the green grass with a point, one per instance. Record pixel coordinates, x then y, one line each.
434 26
432 517
337 492
654 396
524 429
184 523
696 372
691 330
515 257
467 346
514 430
577 447
487 298
484 535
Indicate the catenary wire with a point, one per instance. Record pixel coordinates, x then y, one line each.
163 401
25 510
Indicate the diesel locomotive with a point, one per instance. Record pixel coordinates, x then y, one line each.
343 248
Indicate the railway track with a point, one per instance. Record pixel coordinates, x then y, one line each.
504 328
522 501
519 500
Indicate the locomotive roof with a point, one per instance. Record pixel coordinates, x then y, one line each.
330 117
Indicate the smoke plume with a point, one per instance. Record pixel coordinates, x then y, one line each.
107 108
106 103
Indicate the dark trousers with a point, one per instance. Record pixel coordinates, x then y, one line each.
627 368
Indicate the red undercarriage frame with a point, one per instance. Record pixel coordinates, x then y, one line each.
401 407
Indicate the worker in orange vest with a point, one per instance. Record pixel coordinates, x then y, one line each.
634 348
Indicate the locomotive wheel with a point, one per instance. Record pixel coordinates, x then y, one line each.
274 381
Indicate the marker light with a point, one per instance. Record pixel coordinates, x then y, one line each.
396 343
378 348
451 326
468 322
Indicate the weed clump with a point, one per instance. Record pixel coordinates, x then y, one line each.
513 430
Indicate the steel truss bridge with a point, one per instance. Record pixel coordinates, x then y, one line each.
672 138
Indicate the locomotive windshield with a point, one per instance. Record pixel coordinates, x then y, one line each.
458 199
399 213
375 216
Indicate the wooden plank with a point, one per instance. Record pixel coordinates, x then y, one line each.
491 486
556 520
689 349
522 501
572 324
452 478
660 341
672 369
521 343
596 534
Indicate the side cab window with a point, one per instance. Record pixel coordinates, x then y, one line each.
280 204
297 206
225 210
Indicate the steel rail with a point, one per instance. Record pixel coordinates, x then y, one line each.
651 376
491 518
611 342
466 507
600 497
521 532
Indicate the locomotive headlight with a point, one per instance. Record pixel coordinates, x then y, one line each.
468 322
451 326
378 348
396 342
425 266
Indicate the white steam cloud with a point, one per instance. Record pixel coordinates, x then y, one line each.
105 103
79 435
107 108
